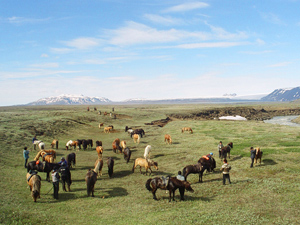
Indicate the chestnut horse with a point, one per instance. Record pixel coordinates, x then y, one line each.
71 144
144 163
47 155
186 129
99 150
258 155
116 146
34 182
168 139
107 129
54 143
153 184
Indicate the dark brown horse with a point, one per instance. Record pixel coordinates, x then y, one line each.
110 165
197 168
140 132
71 160
226 150
91 178
127 154
42 167
173 183
209 163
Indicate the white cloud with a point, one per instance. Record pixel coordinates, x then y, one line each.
22 20
281 64
211 45
186 7
44 55
272 18
45 65
83 43
164 20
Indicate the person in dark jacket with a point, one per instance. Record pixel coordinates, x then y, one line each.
65 176
252 156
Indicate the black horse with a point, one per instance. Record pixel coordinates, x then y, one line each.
173 183
98 143
226 151
84 144
42 167
141 132
127 154
197 168
90 142
110 164
71 159
79 143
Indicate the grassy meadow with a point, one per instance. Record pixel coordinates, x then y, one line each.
266 194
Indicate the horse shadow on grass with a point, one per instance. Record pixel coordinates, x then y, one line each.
113 192
267 162
121 174
62 197
236 158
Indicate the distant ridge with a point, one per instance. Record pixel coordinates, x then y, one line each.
283 95
70 100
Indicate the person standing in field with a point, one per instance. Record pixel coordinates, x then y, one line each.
220 146
26 156
225 169
55 182
252 156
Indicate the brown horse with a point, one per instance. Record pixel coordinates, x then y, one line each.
144 163
186 129
99 150
91 178
101 125
153 184
226 150
258 155
168 139
71 160
34 182
54 143
47 155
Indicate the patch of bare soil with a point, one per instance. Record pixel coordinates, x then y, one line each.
160 123
247 112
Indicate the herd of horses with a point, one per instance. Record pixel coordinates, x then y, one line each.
48 157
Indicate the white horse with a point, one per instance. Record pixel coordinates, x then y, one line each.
39 143
147 152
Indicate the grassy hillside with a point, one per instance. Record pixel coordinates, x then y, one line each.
265 194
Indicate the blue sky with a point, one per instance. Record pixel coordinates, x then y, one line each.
147 49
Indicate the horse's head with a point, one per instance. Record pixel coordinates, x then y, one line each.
188 187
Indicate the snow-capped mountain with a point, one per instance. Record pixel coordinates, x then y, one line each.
283 95
70 100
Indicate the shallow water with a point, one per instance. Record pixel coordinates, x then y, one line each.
283 120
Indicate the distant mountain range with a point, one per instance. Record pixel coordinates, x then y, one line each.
285 94
70 100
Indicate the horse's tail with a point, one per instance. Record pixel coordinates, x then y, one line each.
74 161
133 166
56 145
148 184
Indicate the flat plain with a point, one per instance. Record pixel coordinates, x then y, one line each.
266 194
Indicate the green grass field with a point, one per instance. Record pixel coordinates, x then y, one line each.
265 194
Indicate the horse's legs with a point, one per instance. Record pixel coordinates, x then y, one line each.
150 171
153 193
200 177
